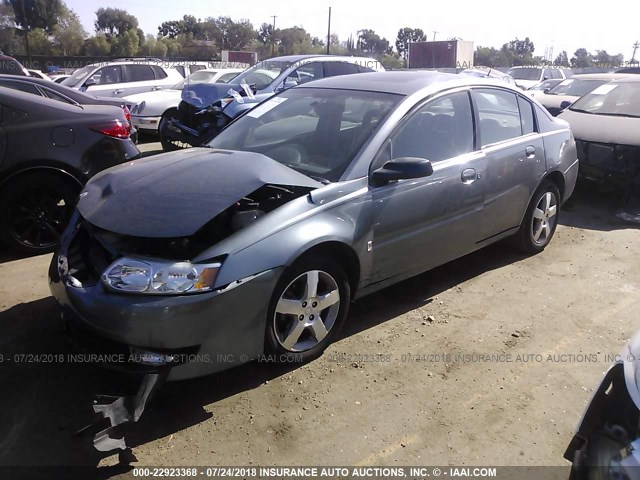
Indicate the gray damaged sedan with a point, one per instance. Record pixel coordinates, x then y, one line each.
202 259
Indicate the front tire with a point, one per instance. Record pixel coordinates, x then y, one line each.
168 145
541 219
308 308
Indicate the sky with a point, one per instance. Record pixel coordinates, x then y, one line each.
550 24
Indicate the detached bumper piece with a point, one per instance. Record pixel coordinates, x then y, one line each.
122 411
607 443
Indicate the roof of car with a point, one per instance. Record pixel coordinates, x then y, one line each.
398 82
297 58
36 80
599 76
627 79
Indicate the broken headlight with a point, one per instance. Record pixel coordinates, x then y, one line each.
159 277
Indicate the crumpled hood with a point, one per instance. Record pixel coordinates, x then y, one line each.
201 95
175 194
603 128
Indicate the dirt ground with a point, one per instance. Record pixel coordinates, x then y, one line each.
549 321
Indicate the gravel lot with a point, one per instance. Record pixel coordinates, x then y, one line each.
549 321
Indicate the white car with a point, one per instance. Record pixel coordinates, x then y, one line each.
571 89
122 78
528 76
148 108
38 74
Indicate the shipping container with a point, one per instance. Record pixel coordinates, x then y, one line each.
441 54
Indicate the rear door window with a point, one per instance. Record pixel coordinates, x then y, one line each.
158 72
499 115
332 69
22 86
139 73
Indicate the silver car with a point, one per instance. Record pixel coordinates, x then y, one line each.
202 259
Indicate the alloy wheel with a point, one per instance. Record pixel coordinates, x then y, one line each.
544 218
306 311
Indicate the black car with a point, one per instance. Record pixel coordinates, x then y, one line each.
55 91
48 150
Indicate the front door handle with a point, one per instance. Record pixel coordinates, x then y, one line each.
468 175
530 151
155 89
118 92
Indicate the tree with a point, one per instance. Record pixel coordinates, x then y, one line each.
562 60
188 25
490 57
265 33
41 14
293 41
234 35
604 60
97 46
370 43
406 36
392 61
519 52
581 59
126 44
114 22
153 47
69 34
39 42
7 29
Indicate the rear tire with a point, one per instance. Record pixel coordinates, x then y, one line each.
35 209
307 310
540 220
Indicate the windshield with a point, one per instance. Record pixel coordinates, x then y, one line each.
200 76
262 73
525 73
78 76
621 99
316 132
544 85
575 87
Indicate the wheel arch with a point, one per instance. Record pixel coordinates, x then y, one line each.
43 166
557 178
342 253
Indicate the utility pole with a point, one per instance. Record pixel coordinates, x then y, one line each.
329 32
635 47
273 36
26 33
434 35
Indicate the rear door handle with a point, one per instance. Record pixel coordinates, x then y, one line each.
530 151
155 89
118 92
469 175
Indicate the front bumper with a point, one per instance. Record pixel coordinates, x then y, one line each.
613 164
146 124
205 333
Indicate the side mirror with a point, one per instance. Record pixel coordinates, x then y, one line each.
88 83
565 104
400 169
546 90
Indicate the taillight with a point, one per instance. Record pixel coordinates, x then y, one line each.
115 129
127 113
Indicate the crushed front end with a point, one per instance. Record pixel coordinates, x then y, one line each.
606 444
